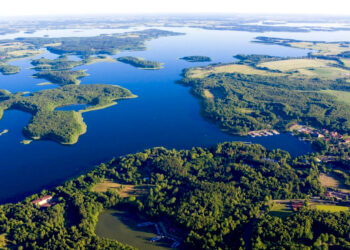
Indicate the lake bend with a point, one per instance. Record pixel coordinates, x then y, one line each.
164 114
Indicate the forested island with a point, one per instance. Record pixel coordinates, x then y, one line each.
61 126
61 63
196 58
262 92
214 198
63 77
7 69
102 44
140 63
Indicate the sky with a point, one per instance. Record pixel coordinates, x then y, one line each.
79 7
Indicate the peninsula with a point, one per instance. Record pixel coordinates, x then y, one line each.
267 92
64 127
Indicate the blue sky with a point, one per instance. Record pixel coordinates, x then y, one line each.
76 7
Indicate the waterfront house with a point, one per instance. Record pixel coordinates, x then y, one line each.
43 201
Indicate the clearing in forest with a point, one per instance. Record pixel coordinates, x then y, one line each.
292 64
342 96
124 190
228 68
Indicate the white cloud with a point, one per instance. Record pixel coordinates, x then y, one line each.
69 7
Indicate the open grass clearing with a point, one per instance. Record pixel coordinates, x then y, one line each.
346 62
123 190
3 241
229 68
342 96
331 208
328 181
293 64
332 181
208 94
24 53
321 48
281 210
330 72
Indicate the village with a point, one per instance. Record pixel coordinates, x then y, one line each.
264 132
328 136
335 141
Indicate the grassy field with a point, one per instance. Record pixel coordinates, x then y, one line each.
329 73
342 96
2 241
24 53
122 226
280 210
331 181
332 208
122 189
208 94
229 68
346 62
308 67
321 48
328 181
95 59
293 64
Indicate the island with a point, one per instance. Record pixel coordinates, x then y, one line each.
64 127
102 44
196 58
261 92
140 63
63 77
58 71
245 189
85 47
7 69
61 63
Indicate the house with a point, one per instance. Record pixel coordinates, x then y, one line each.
297 205
347 141
320 135
43 201
334 134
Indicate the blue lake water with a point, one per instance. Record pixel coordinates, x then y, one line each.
75 107
164 114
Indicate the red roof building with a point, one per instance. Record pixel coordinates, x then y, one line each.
297 205
43 201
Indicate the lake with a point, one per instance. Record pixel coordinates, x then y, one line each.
122 226
164 114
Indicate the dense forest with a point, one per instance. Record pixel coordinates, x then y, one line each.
140 62
214 195
310 229
252 101
103 44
